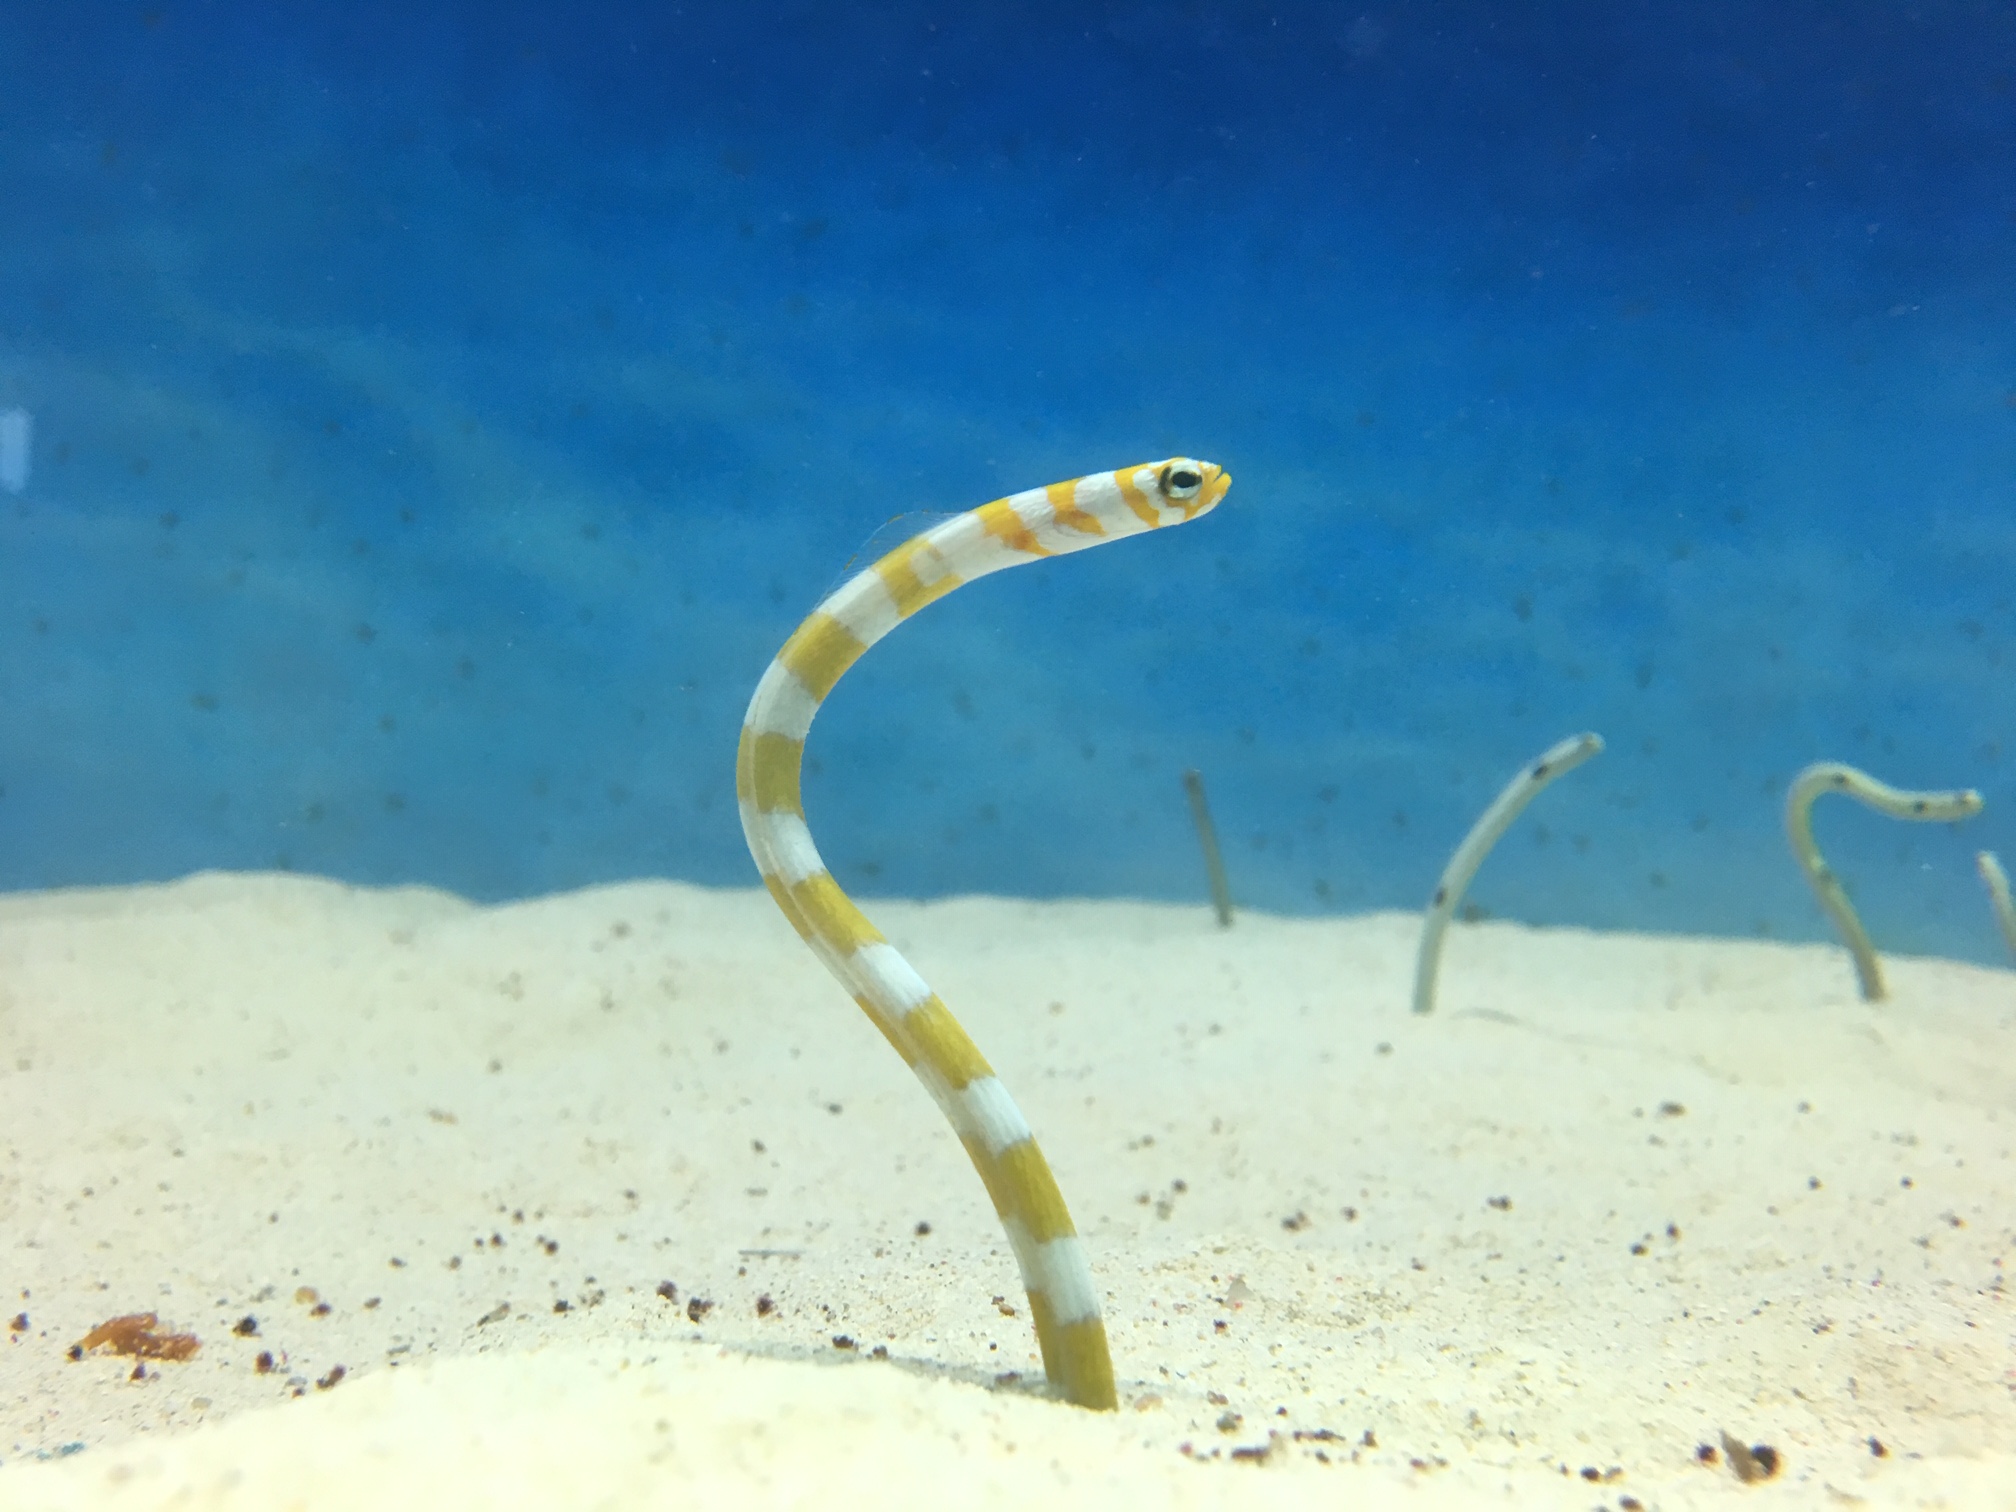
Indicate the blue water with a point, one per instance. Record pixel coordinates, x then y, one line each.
438 424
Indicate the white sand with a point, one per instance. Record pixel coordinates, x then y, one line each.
215 1093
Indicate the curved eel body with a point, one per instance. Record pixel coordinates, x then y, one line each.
1024 527
1836 777
1489 829
1996 880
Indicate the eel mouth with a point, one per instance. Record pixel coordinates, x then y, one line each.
1216 482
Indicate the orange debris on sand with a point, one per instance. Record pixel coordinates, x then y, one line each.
134 1334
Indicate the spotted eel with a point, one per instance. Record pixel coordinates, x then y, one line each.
1834 777
1564 756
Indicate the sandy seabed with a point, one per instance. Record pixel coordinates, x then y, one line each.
613 1199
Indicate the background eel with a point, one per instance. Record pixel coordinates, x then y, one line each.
1996 880
1043 522
1495 820
1834 777
1207 838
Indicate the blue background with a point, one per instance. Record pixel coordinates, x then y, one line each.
440 421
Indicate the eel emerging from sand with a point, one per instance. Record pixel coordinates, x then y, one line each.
1996 880
1834 777
1043 522
1489 829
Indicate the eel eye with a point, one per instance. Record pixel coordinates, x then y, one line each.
1181 481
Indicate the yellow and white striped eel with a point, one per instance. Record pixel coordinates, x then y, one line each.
1043 522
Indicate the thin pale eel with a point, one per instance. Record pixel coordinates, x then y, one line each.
1024 527
1834 777
1996 880
1484 834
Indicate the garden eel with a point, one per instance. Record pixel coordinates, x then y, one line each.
1489 828
1207 837
1043 522
1834 777
1996 880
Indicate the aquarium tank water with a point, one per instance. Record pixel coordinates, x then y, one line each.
420 425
